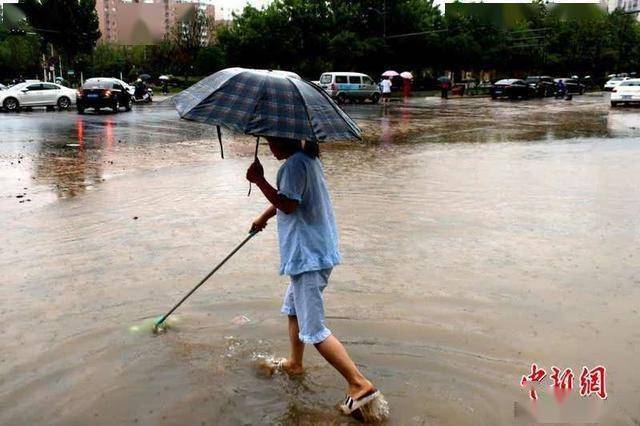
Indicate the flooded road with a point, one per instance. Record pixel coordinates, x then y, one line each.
478 237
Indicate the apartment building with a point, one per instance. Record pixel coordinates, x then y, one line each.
144 22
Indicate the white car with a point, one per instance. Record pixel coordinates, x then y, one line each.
38 94
627 92
613 82
2 86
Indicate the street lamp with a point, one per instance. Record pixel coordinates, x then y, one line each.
382 13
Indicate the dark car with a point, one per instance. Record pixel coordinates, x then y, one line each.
573 85
544 85
99 93
512 88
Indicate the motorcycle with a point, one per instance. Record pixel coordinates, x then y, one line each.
563 93
143 98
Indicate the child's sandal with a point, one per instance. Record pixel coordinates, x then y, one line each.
349 405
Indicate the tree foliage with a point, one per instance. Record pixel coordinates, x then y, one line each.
71 26
19 53
313 36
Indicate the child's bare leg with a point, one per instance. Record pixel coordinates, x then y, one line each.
293 365
336 354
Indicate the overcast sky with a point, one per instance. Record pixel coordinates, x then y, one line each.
227 6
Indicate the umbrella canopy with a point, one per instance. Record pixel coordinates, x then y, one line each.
266 103
390 73
406 74
164 77
144 77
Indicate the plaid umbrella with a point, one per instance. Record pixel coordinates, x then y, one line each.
266 103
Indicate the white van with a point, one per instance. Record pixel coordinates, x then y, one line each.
350 86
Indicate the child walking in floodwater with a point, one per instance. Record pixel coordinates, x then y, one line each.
308 240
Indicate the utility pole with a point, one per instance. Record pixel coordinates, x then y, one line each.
384 21
383 14
53 71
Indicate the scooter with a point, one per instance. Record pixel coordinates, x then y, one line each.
144 98
563 94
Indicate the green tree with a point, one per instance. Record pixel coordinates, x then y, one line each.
71 26
19 52
313 36
188 36
108 61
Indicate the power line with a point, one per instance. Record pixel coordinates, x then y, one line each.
518 32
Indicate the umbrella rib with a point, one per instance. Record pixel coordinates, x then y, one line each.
223 86
255 107
339 110
306 110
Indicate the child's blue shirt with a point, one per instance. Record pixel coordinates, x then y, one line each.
308 237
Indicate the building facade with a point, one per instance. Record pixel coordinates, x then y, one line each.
144 22
629 6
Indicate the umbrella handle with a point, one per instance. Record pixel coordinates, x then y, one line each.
220 140
255 157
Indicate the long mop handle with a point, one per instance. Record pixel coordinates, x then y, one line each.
251 235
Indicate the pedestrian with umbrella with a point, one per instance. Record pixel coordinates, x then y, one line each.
294 116
445 86
165 83
406 83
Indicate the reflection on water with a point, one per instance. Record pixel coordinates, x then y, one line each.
468 254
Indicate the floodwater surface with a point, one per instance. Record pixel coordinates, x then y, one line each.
478 238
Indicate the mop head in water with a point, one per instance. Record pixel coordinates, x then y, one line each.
159 328
151 325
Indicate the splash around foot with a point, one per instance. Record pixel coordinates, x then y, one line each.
268 365
374 412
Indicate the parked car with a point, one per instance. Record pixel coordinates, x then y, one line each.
350 86
543 85
627 92
2 86
36 94
512 88
100 93
573 85
613 82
